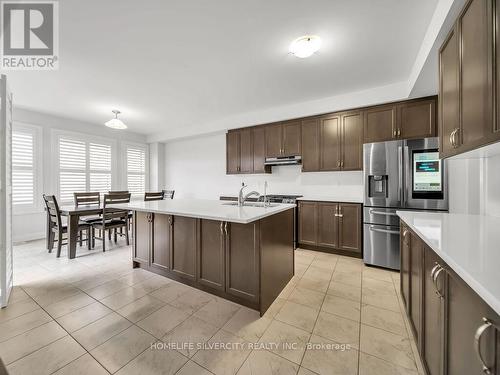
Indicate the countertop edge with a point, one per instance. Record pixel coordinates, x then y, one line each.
331 199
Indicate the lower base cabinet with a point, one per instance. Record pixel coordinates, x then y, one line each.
183 246
457 332
211 255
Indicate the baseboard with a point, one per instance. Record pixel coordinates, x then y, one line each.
330 250
28 237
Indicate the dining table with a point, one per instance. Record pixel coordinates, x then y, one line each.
73 214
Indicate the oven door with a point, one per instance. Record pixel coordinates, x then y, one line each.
381 246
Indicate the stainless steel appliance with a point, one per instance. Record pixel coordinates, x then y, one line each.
283 160
398 175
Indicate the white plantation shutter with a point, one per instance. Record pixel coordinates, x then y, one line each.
72 168
23 179
100 167
136 169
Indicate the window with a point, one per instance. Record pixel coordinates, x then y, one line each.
83 166
136 169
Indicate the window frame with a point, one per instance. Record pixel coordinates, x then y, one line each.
145 147
37 133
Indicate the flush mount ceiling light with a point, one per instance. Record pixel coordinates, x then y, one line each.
305 46
115 123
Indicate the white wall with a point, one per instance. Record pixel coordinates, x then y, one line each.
196 168
31 225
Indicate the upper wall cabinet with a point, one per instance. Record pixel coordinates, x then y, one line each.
412 119
283 139
469 80
245 151
310 144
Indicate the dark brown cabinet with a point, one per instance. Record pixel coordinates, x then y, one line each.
416 258
245 151
380 124
310 145
330 226
417 119
210 265
183 250
405 266
142 232
283 139
259 151
352 141
233 152
160 241
330 139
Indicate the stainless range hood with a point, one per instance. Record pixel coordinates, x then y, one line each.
284 160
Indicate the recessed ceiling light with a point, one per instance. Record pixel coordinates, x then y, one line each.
305 46
115 123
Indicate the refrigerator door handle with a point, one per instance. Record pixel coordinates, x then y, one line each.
407 168
400 176
374 229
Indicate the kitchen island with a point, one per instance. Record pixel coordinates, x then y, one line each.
243 254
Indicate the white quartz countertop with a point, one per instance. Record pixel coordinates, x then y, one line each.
469 244
331 198
206 209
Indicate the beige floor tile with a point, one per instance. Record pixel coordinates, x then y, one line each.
106 289
345 291
378 274
275 307
136 276
343 307
300 316
13 310
300 269
189 335
326 358
89 283
153 283
316 273
346 277
101 330
85 365
262 362
123 297
170 292
307 297
369 365
223 361
338 329
304 371
163 320
247 324
217 312
384 319
192 300
69 304
290 341
122 348
287 291
315 285
84 316
55 295
387 301
17 294
385 345
22 324
141 308
379 285
28 342
48 359
192 368
154 362
324 263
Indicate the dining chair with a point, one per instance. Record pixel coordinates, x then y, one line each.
168 194
113 218
88 199
118 192
59 228
153 196
130 215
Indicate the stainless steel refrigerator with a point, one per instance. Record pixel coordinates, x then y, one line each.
398 175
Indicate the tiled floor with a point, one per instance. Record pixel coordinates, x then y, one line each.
96 315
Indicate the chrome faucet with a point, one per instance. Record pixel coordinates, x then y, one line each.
242 198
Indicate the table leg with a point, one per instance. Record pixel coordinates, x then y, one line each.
72 235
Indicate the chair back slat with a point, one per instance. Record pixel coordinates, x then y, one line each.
168 194
118 192
53 209
153 196
87 198
115 198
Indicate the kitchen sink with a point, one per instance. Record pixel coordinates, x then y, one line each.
250 204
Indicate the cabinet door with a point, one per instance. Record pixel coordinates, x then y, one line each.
380 124
405 266
432 330
350 227
246 151
232 152
308 223
465 313
328 225
291 138
142 234
418 119
160 244
416 268
211 254
352 141
448 94
242 261
274 140
476 87
330 143
310 145
259 150
183 246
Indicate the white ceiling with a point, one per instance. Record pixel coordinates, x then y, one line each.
178 65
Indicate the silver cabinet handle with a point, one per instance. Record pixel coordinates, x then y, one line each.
375 212
399 132
434 280
222 228
434 269
451 137
225 228
373 229
477 343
